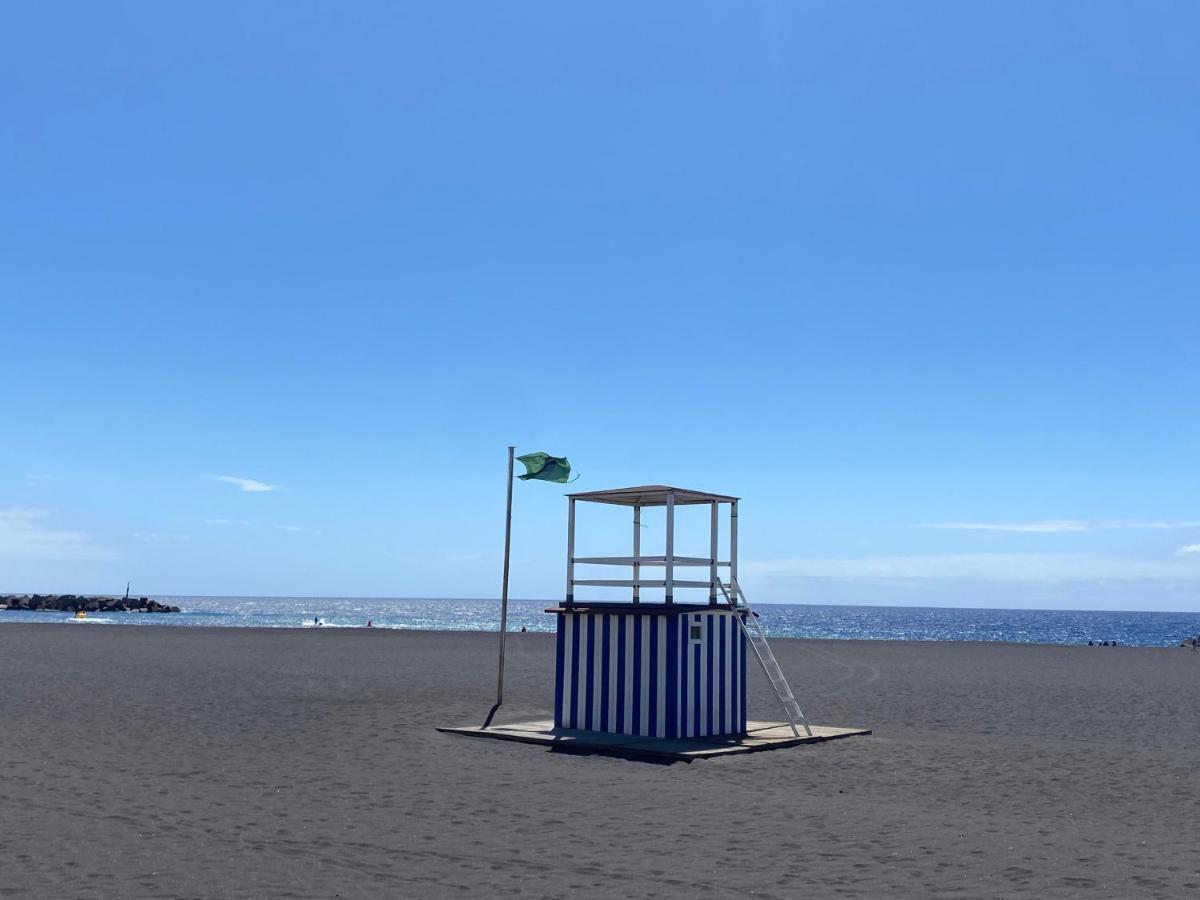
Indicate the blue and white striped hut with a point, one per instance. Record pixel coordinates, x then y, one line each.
661 669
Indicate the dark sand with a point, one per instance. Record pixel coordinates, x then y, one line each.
181 762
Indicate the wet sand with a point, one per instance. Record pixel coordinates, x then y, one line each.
187 762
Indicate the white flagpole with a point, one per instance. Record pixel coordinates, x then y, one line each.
504 586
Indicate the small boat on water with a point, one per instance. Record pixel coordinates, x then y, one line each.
81 614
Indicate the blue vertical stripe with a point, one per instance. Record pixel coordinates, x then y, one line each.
605 669
558 672
725 673
671 635
654 675
637 674
684 677
573 721
620 723
696 723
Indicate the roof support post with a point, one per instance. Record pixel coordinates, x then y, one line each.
670 558
570 551
637 551
733 581
712 555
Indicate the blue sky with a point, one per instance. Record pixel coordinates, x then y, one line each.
873 267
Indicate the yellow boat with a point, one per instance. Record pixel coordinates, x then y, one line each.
80 614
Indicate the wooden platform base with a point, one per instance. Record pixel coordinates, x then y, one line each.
759 736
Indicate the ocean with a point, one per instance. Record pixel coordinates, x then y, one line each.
1144 629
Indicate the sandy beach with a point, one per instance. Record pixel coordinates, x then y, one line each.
189 762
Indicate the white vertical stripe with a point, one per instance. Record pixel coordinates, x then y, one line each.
739 667
598 671
568 670
743 649
739 659
735 646
581 672
660 713
730 631
628 624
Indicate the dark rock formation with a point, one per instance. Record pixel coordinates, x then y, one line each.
72 602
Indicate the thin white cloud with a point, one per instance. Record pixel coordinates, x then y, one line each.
998 567
24 536
1188 550
157 536
1055 526
248 485
257 524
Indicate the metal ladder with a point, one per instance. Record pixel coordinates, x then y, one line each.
758 641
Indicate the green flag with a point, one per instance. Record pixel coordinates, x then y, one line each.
544 467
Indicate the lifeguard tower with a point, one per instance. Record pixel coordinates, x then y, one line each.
661 677
666 669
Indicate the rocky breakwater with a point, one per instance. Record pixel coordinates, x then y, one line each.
75 602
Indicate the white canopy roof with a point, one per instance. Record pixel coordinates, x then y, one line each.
651 495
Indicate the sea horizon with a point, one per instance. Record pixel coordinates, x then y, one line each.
162 598
1146 628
